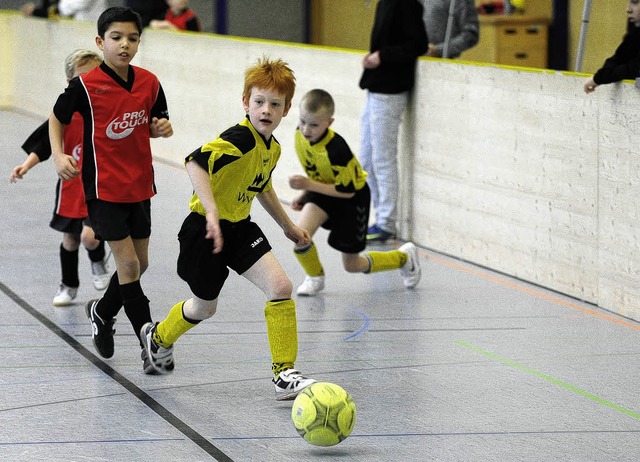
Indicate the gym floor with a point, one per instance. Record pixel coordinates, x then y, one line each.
470 366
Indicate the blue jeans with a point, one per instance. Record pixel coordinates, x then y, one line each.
379 152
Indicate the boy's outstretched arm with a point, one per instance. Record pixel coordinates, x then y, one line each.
66 166
200 182
19 171
272 205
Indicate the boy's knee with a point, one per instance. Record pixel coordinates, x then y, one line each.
200 310
282 289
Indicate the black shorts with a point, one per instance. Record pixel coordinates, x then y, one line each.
348 219
114 221
68 225
206 272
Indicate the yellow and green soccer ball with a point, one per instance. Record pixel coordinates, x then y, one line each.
324 414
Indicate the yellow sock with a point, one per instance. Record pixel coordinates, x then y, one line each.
172 327
282 330
384 261
309 260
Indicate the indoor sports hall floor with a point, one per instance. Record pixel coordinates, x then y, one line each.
471 366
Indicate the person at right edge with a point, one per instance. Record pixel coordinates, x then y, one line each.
625 62
398 38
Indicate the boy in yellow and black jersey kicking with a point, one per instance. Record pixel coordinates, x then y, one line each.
218 234
335 195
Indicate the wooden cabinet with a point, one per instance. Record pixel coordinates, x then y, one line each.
511 40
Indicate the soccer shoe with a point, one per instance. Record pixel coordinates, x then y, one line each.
65 295
410 271
311 285
146 364
289 383
100 273
101 331
160 358
377 234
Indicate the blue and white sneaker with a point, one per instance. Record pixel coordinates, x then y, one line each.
377 234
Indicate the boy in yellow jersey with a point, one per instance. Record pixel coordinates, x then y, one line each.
218 234
336 196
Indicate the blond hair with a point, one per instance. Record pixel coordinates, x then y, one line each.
270 75
79 58
317 99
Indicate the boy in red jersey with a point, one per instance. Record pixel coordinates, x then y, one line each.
179 17
122 107
70 213
227 174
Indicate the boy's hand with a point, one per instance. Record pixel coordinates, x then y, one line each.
160 128
19 171
299 236
66 166
298 202
298 181
214 232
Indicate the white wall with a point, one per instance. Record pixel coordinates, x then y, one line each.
516 170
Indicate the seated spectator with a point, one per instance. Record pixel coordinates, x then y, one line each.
179 17
44 10
82 10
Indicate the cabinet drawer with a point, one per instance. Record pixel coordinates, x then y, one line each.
521 36
532 57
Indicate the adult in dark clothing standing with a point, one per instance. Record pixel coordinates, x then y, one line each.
625 62
398 38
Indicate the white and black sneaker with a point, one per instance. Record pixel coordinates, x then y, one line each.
160 358
289 383
102 331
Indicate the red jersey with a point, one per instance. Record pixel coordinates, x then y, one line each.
69 194
117 162
185 20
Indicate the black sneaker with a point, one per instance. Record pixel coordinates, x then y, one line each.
101 331
160 358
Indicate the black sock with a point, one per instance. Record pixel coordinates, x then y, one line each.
136 305
111 300
98 253
69 266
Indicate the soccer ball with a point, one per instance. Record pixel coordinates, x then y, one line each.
324 414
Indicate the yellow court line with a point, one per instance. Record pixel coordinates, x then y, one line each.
536 293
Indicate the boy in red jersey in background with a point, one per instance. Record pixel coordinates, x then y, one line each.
179 17
227 174
70 213
122 107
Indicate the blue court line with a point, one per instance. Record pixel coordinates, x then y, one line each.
363 329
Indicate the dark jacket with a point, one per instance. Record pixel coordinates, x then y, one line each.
398 33
625 62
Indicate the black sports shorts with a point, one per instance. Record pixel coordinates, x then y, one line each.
206 272
348 219
68 225
114 221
